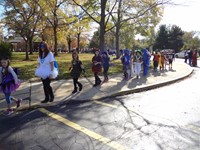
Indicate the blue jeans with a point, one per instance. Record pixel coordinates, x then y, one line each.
8 98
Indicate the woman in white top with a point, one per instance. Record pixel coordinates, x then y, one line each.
46 71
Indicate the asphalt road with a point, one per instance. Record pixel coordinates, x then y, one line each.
166 118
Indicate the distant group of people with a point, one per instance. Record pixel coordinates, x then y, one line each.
191 56
162 59
132 62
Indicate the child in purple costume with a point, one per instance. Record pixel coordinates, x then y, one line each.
8 83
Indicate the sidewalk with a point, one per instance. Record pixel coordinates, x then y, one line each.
115 87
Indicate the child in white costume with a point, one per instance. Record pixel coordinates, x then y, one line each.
138 62
44 68
46 71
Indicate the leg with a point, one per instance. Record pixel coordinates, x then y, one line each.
47 90
46 93
80 85
75 80
105 72
97 79
8 101
17 101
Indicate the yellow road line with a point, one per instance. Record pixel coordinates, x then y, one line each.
90 133
105 104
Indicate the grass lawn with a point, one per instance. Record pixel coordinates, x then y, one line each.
27 68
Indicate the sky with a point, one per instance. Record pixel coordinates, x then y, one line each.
185 15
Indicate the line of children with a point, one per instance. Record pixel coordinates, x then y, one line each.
46 70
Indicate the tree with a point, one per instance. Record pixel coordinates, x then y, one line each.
191 40
143 16
176 38
170 37
81 23
92 9
21 17
162 41
53 14
94 42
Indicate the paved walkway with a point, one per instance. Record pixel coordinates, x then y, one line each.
115 87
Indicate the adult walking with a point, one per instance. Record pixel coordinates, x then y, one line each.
190 57
46 71
194 58
186 55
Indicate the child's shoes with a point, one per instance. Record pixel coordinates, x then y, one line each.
8 112
18 103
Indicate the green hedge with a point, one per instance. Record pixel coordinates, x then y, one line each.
5 49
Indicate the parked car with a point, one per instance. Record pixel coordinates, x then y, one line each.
180 54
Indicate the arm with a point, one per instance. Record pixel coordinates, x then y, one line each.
10 69
52 65
71 66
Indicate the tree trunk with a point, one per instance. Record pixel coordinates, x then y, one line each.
78 41
102 26
27 56
69 44
55 41
117 41
30 46
118 26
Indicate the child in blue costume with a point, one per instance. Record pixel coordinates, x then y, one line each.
126 60
146 61
106 64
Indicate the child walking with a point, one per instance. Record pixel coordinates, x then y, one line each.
97 67
106 64
8 83
76 69
138 61
126 60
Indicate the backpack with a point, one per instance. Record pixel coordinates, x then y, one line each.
56 65
15 70
9 78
